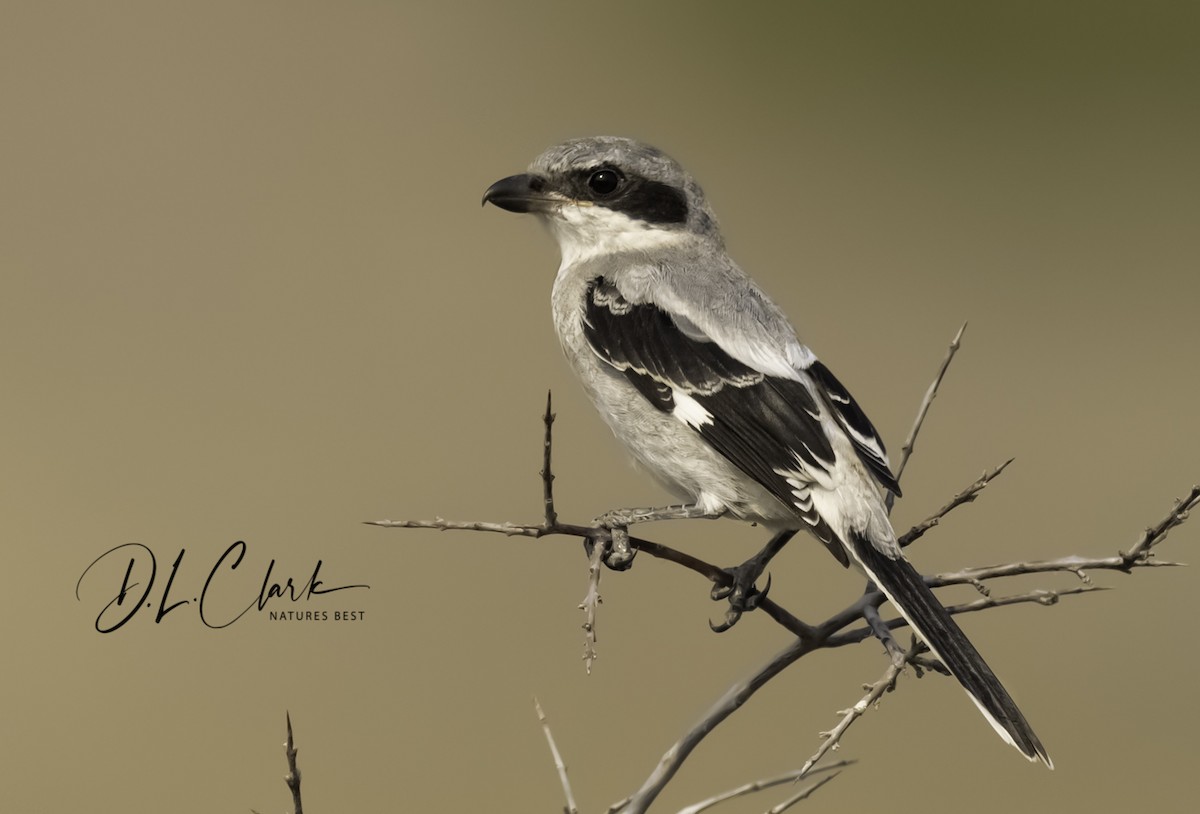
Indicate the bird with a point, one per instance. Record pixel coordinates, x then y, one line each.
704 380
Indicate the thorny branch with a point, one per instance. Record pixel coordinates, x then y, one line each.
590 603
911 441
838 630
832 739
293 776
967 495
803 794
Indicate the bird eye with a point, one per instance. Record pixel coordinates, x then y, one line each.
604 182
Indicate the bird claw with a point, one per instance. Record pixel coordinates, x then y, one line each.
620 560
731 619
742 596
619 554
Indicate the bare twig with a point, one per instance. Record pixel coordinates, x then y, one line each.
726 705
440 524
597 534
833 738
547 474
1039 596
1079 566
589 604
760 785
803 794
1158 532
570 807
292 778
871 609
909 443
967 495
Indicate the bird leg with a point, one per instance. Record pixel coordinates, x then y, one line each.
618 521
740 590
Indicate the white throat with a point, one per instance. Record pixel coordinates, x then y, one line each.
585 232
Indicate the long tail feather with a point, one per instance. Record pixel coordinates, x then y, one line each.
907 591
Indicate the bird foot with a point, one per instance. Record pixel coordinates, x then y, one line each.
740 592
618 553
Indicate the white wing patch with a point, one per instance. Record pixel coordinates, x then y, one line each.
867 442
803 498
689 411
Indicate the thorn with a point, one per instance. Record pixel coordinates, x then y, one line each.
958 336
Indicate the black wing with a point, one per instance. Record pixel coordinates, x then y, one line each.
858 427
767 426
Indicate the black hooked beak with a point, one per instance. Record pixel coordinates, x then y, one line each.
519 193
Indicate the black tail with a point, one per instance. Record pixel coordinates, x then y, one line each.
906 589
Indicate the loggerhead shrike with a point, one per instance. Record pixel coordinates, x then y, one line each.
704 380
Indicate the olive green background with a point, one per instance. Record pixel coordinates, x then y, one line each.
248 293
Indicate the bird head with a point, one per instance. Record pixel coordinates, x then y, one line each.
607 194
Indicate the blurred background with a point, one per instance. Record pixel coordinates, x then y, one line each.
248 293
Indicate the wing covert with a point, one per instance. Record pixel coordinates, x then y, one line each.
767 426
